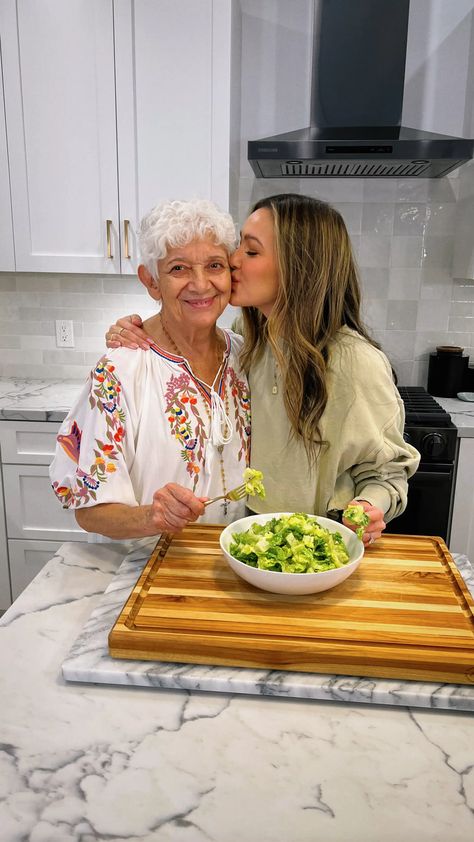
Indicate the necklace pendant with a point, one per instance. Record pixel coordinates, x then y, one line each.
274 389
225 507
220 448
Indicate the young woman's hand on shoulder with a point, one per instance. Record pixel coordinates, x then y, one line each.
127 332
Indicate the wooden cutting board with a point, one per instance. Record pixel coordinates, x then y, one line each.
405 613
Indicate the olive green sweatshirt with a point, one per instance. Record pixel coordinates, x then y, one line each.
364 456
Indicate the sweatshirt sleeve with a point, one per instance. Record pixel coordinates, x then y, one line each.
381 475
95 444
375 454
382 478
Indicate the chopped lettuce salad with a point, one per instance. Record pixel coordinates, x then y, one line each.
356 515
294 543
253 482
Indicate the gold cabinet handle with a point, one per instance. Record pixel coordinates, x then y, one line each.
109 239
126 225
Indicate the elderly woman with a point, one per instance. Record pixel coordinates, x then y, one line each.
153 435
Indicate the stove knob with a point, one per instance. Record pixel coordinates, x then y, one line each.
433 444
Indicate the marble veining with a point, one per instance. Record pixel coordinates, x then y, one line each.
37 400
462 415
89 661
82 762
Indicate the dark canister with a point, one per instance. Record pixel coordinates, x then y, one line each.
447 371
468 383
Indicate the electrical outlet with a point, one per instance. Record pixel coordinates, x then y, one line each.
64 333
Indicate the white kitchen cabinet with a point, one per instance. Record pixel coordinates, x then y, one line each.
5 592
111 108
7 253
462 530
36 525
173 103
60 107
28 442
32 510
26 560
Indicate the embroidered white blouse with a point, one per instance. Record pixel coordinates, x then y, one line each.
142 420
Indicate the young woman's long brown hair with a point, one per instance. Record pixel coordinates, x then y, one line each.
318 293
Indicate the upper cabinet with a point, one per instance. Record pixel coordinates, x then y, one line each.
59 88
173 89
7 254
111 106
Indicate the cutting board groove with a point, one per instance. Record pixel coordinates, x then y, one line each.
405 613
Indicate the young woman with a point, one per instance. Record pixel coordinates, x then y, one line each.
327 419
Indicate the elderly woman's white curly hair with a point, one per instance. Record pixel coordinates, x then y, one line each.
176 223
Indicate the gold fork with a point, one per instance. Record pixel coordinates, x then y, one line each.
236 494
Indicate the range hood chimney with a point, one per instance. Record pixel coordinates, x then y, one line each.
358 74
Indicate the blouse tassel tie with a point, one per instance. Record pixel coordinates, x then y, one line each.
222 428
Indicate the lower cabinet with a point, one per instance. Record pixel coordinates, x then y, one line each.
5 589
33 525
26 560
31 508
462 530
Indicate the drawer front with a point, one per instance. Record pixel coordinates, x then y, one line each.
32 510
26 560
28 442
5 595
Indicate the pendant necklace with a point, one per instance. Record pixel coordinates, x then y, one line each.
275 381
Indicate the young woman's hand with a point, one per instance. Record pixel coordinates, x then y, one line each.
173 507
376 525
127 332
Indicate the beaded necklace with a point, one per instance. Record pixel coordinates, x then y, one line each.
220 447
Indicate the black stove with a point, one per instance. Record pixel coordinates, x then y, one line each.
421 408
429 428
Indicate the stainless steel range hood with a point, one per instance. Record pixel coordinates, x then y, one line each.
358 74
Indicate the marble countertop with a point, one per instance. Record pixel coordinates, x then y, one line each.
37 400
94 762
462 415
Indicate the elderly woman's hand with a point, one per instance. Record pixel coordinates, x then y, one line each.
173 507
376 524
127 332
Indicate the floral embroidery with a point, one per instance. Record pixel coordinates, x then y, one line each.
181 409
63 493
186 423
104 397
71 443
241 398
186 405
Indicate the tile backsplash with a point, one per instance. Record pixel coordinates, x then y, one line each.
403 237
403 234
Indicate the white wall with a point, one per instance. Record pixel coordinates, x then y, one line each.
439 70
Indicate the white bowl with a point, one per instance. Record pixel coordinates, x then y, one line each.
293 583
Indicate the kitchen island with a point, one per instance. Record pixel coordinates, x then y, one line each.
88 761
